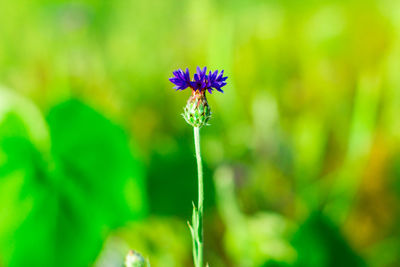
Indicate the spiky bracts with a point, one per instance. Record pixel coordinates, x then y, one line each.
197 112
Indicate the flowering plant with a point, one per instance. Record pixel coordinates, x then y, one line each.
197 113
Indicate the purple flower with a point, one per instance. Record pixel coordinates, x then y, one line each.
181 79
201 81
216 81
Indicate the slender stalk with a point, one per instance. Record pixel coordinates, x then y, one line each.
201 197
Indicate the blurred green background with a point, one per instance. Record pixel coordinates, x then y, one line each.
302 157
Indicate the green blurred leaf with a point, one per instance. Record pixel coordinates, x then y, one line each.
94 153
319 244
69 200
20 169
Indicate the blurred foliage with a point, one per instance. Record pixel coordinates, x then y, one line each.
68 196
302 156
318 234
175 169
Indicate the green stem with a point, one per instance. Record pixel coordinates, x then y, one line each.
201 197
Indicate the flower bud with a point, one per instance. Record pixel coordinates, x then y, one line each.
134 259
197 111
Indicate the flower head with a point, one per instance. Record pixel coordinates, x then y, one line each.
201 81
197 111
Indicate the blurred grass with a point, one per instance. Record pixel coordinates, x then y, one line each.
302 157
